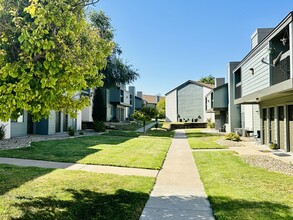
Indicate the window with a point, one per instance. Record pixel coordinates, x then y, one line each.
238 83
19 119
121 96
130 99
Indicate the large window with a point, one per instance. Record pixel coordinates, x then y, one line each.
238 83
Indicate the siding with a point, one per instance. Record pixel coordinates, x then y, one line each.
171 106
7 128
52 123
260 79
191 102
256 118
19 128
221 97
201 105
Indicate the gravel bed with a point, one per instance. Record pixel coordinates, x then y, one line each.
21 142
229 143
268 163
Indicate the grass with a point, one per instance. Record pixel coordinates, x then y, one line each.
202 140
237 190
37 193
140 152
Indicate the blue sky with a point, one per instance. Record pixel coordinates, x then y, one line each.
172 41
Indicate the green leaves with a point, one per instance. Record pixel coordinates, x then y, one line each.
45 60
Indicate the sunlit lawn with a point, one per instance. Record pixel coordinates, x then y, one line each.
140 152
237 190
37 193
202 140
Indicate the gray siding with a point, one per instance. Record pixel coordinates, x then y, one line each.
260 79
171 106
19 128
221 97
52 124
190 102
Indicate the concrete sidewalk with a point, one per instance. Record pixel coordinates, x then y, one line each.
178 192
148 126
84 167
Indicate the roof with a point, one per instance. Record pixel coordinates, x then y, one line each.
288 18
152 99
209 86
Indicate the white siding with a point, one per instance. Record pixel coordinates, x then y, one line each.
256 118
87 114
260 79
52 122
205 114
78 120
171 106
7 128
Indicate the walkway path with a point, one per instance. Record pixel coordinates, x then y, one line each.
84 167
148 126
178 192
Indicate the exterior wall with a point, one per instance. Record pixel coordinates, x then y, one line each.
78 120
171 106
221 97
260 79
190 100
7 129
208 104
19 128
233 110
206 115
52 123
87 112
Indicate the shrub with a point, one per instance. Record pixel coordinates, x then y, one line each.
81 133
71 131
210 124
99 126
2 132
232 136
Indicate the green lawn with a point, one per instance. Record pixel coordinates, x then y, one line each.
237 190
141 152
202 140
36 193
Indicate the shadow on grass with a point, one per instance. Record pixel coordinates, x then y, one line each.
66 150
85 204
14 176
227 208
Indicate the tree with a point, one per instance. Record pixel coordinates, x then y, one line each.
46 61
146 113
117 71
161 108
208 80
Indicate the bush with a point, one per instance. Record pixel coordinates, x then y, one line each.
210 124
2 132
81 133
99 126
232 136
71 131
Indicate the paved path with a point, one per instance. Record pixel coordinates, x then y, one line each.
148 126
84 167
178 192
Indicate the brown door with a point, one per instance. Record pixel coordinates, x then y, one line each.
272 125
265 126
290 116
281 127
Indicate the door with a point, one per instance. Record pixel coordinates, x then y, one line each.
58 122
272 125
65 122
265 126
281 127
290 117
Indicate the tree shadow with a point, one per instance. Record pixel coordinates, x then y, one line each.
227 208
202 134
84 204
14 176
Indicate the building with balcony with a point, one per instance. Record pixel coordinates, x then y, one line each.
263 84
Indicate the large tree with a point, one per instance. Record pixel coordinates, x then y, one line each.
208 79
117 70
48 53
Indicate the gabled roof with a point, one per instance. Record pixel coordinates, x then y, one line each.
209 86
152 99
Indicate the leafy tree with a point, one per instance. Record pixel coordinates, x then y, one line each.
117 71
208 80
146 113
48 54
161 108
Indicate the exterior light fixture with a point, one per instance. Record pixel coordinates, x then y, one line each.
251 71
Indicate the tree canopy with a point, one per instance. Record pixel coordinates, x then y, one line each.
208 79
146 113
48 53
161 108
